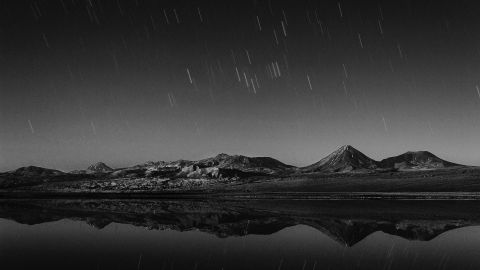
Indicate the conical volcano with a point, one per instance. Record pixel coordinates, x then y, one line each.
344 159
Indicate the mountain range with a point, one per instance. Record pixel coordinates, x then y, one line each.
345 159
348 159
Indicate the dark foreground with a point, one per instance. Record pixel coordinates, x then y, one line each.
238 234
239 196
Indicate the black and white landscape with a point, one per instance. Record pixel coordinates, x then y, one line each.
240 134
238 234
344 170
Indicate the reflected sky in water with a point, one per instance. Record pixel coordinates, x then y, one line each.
69 244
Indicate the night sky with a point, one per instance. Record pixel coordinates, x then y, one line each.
125 82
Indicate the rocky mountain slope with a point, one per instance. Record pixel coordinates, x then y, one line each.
34 171
31 175
344 159
97 168
242 163
416 160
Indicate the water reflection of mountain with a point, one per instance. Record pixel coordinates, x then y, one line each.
347 222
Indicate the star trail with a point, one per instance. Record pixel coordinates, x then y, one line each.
130 81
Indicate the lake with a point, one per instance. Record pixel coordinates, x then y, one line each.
210 234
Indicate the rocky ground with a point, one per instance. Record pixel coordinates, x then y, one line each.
447 180
126 184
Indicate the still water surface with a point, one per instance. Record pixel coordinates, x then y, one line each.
194 237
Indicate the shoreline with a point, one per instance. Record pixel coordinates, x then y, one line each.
217 195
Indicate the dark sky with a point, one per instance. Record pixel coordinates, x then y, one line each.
129 81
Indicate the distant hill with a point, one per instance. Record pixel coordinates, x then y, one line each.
96 168
34 171
344 159
99 167
416 161
30 175
245 164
